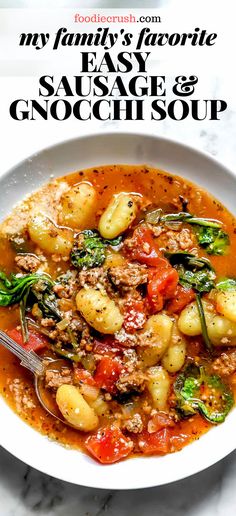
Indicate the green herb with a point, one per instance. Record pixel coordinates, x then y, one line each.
226 284
89 249
201 281
185 258
203 323
49 306
213 240
47 301
65 353
36 326
112 242
73 339
14 288
190 219
153 217
196 273
208 231
23 320
89 362
188 388
223 400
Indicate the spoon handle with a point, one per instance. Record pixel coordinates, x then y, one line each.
28 359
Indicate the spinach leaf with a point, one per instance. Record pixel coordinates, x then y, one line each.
47 300
203 323
189 386
213 240
196 273
48 305
226 284
65 353
209 232
112 242
89 249
23 321
185 258
186 386
190 219
156 216
201 281
14 288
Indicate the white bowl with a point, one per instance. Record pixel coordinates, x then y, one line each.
15 435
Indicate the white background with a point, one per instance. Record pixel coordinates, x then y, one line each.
23 491
21 67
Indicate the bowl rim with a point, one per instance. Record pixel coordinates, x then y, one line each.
120 132
222 451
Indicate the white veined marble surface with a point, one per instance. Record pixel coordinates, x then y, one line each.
24 491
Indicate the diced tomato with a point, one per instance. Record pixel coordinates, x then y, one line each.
107 374
109 445
145 249
36 341
162 283
134 315
107 347
82 376
187 431
179 441
163 280
181 298
157 442
159 421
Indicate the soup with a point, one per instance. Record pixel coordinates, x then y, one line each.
127 273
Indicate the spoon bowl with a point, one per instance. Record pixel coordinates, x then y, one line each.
39 367
44 396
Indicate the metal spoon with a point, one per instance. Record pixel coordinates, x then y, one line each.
35 364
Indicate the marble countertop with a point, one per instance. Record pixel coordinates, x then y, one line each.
23 490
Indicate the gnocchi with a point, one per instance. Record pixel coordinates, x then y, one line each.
158 329
49 237
117 217
75 409
159 386
174 357
99 310
189 321
226 304
78 205
222 331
